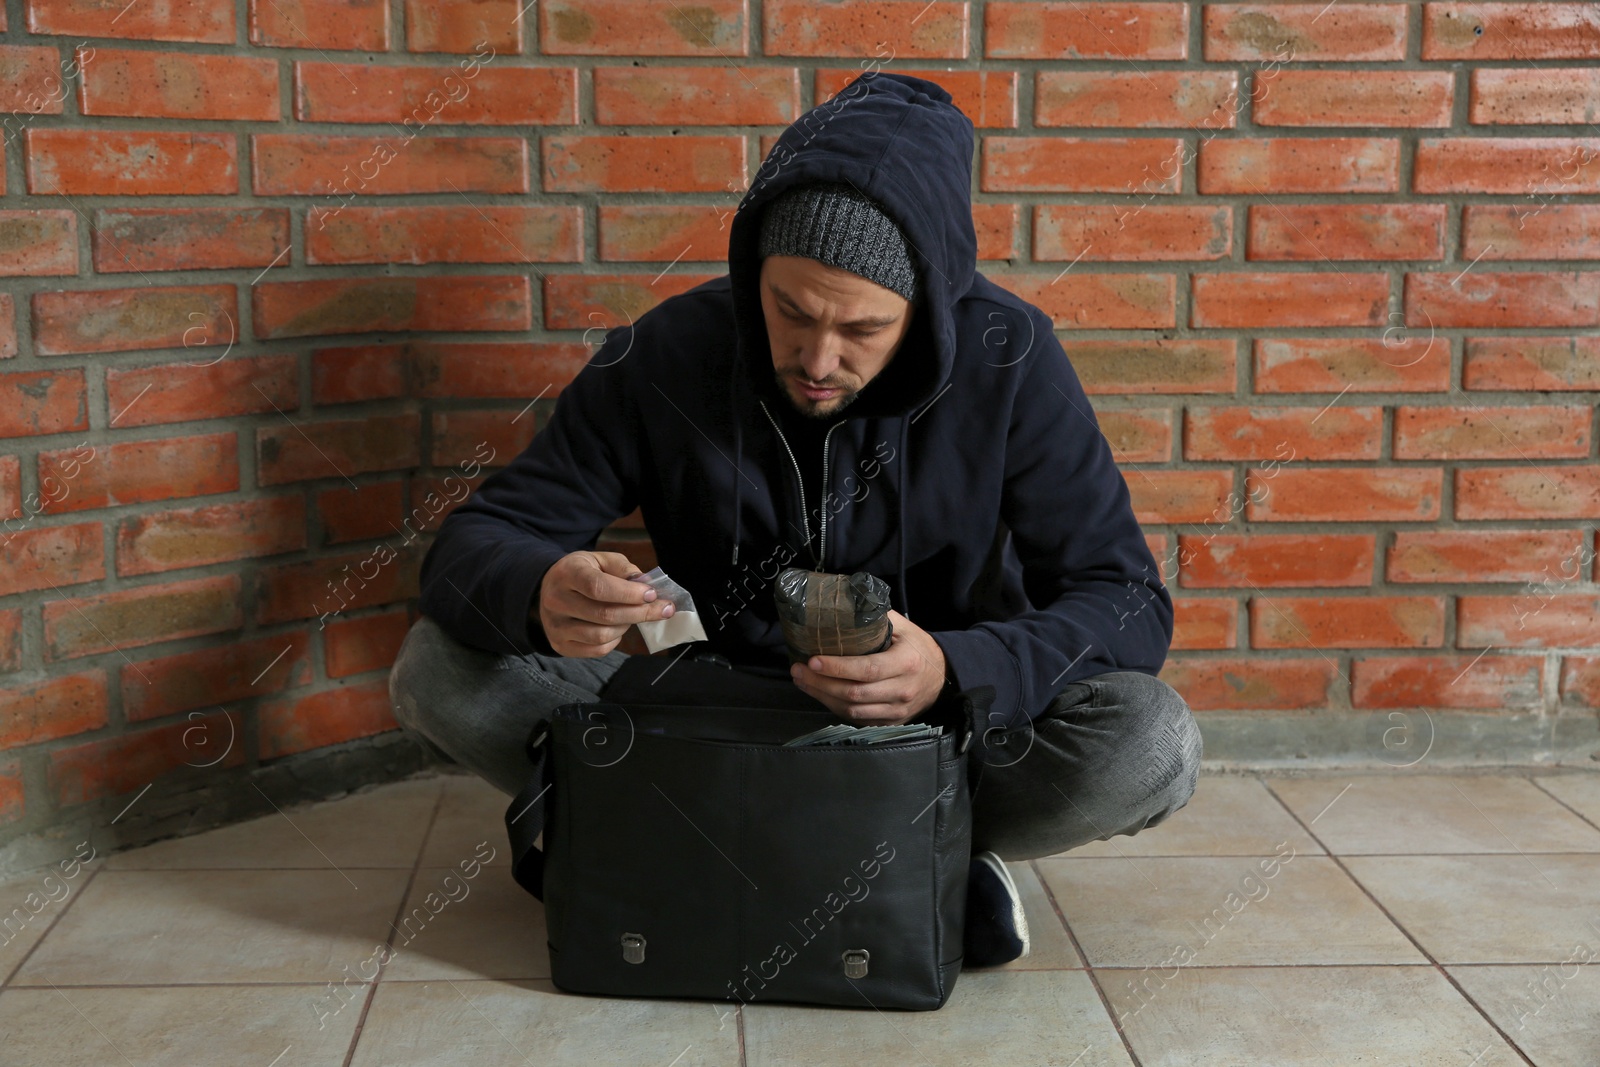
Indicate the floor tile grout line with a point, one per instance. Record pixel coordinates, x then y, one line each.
504 979
427 838
106 865
1318 855
1422 964
1398 925
50 928
417 867
405 895
206 985
1105 1001
316 985
1533 779
1178 855
323 867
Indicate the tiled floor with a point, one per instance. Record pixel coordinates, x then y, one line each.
1399 919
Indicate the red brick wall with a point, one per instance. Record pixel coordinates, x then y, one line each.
267 283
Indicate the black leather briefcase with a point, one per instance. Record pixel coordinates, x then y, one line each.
689 854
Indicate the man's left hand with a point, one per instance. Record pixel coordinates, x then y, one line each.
883 688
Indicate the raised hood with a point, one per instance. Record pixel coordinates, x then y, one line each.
901 141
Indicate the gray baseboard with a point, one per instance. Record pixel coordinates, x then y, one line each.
1269 743
189 802
1397 739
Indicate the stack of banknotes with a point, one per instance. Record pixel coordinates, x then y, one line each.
841 733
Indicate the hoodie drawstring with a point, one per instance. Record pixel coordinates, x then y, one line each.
738 456
905 486
738 489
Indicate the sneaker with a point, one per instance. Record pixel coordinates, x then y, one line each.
996 928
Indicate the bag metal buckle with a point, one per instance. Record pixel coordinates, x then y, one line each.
855 962
633 948
536 737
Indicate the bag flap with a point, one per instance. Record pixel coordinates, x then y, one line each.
689 681
769 726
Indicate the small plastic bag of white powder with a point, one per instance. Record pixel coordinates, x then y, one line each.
684 624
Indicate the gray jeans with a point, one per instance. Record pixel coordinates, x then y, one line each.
1112 754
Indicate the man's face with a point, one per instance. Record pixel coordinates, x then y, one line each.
831 331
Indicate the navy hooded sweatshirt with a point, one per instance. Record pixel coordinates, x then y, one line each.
970 474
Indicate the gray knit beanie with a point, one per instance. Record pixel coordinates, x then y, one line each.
838 225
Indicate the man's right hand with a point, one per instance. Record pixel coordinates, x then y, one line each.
586 603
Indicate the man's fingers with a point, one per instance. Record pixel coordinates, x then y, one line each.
615 563
869 668
860 703
863 714
873 714
851 691
585 609
587 603
579 632
883 687
604 582
580 650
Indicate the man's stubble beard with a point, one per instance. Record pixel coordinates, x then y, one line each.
808 410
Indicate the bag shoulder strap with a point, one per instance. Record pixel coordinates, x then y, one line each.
525 816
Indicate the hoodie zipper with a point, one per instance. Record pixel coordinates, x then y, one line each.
805 521
821 499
